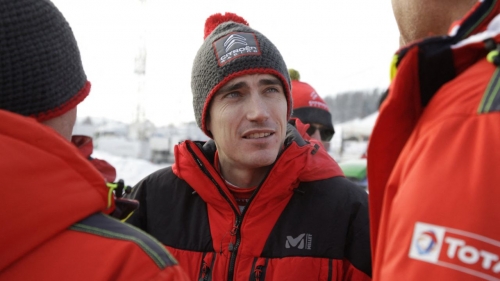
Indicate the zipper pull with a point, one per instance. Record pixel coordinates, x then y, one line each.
258 272
204 272
235 228
233 232
205 268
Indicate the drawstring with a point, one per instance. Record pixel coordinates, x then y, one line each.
119 189
493 58
394 68
111 186
494 49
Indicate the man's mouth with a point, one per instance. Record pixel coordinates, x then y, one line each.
257 135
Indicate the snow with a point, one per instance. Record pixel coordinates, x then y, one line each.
131 170
359 127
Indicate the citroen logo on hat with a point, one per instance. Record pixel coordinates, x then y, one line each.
233 40
235 45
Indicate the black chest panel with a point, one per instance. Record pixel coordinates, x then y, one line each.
316 222
179 217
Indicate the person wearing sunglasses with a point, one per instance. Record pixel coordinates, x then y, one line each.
311 109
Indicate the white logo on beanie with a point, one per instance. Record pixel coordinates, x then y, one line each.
233 40
235 45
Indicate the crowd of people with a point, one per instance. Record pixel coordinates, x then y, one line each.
261 199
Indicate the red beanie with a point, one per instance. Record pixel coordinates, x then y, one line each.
305 96
308 106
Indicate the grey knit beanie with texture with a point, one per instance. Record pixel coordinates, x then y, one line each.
41 73
232 49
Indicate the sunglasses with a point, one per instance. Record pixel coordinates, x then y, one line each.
325 133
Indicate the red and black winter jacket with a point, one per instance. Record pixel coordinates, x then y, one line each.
305 221
54 225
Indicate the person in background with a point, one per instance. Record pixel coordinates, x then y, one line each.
123 206
54 202
86 147
311 109
433 156
256 202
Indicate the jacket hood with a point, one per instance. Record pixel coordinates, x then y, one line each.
46 186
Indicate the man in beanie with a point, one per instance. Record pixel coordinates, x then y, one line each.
311 109
433 157
54 202
257 202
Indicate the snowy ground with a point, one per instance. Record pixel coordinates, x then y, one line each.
130 170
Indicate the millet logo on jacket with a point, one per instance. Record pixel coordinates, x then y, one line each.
303 241
456 249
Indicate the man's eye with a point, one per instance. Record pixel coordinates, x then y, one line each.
233 95
272 89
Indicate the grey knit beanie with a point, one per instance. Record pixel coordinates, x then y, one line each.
41 73
232 49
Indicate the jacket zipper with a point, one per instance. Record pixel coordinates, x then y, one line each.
235 231
236 228
234 249
239 218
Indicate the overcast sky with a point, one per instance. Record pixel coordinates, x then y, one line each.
335 45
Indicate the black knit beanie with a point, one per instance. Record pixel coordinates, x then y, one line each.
41 73
232 49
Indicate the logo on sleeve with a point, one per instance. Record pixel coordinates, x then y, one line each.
235 45
456 249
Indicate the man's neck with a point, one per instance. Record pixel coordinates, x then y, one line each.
243 178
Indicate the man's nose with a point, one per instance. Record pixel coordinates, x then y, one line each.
257 108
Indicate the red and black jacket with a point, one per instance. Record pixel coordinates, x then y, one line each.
305 221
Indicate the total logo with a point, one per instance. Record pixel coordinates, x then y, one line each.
456 249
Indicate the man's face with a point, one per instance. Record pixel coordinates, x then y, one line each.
314 131
248 119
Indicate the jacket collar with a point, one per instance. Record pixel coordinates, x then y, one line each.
299 161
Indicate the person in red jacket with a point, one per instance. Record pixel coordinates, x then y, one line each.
123 206
433 158
86 147
54 202
311 109
256 201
